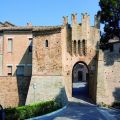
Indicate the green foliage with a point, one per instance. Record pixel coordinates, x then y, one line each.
115 104
102 104
29 111
110 17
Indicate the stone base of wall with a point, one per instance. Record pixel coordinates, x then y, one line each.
13 91
44 88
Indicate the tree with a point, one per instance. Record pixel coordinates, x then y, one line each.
110 17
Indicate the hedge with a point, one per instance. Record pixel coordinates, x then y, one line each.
29 111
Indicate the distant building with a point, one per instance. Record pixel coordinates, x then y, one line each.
44 62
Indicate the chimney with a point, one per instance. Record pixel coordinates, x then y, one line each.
29 24
65 20
74 18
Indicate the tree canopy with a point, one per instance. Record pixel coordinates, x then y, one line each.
110 17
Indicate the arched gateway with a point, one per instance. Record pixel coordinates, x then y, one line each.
80 80
67 65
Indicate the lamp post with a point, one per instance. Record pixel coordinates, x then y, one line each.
34 87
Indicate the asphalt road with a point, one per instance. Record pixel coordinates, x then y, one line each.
84 111
80 109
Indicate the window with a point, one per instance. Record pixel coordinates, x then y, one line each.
10 44
30 45
74 47
9 70
79 47
84 42
46 43
20 71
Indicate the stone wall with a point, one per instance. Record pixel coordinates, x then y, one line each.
47 60
47 80
108 80
44 88
72 51
13 91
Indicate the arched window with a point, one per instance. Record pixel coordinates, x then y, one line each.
74 46
46 43
79 45
84 47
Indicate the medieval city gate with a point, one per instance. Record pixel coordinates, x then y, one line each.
80 80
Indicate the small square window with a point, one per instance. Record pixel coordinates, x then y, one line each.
9 70
46 43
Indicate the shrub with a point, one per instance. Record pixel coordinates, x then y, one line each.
102 104
29 111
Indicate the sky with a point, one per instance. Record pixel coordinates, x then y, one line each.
45 12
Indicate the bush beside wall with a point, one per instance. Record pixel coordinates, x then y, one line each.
29 111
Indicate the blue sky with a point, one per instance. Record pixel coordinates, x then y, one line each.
45 12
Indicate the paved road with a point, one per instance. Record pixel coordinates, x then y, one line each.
84 111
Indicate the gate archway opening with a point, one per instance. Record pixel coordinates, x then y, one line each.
80 80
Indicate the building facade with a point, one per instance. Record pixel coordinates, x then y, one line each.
39 63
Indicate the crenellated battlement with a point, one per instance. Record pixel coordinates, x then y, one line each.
85 20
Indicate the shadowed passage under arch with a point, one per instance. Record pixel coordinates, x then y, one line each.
80 77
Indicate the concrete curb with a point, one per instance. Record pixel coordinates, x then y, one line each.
49 114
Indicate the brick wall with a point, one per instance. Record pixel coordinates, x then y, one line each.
1 54
47 60
13 91
47 79
19 54
78 32
108 80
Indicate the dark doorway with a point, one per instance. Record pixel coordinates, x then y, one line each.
80 77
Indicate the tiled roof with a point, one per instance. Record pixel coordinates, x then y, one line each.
14 28
6 24
31 28
42 28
